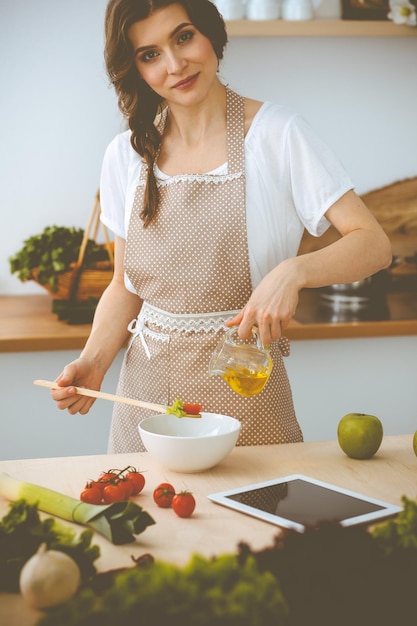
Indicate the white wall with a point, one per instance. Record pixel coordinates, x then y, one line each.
57 113
30 424
332 377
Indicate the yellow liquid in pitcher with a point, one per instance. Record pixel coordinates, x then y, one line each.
246 382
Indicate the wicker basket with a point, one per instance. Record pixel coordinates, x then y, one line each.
82 283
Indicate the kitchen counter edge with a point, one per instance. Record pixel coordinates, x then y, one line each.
27 324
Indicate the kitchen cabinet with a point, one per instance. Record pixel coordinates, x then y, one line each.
318 28
388 476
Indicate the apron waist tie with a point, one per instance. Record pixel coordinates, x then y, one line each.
136 327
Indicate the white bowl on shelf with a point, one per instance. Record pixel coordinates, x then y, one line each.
185 444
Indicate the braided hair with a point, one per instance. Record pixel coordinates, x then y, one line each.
139 104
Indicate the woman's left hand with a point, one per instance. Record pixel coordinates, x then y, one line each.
271 306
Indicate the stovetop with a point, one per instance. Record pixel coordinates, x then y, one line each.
395 300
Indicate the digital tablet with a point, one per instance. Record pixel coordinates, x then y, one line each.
299 502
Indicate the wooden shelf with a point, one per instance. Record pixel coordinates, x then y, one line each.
318 28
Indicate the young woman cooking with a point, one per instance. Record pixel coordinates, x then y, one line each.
208 194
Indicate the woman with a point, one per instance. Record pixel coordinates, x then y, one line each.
208 194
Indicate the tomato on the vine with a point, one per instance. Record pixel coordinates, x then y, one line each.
183 504
92 493
137 481
114 492
106 477
127 486
163 495
114 485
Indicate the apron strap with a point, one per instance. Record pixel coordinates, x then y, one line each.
235 118
235 115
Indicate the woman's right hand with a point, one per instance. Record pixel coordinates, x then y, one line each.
79 373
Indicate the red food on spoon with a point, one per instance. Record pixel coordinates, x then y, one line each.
192 409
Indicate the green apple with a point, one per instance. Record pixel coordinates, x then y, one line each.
360 435
415 443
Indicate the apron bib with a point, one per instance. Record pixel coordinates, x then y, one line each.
191 268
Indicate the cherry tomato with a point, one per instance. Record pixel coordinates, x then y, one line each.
128 487
114 492
163 495
192 409
92 493
183 504
106 477
136 480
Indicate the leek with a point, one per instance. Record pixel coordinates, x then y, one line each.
118 522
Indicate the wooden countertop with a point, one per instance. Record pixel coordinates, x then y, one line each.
213 529
28 325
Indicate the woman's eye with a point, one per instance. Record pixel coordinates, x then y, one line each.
185 36
148 56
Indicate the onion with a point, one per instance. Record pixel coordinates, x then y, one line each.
49 578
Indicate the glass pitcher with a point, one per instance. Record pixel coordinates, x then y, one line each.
245 365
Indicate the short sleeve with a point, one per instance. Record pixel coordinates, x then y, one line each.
317 177
119 175
114 184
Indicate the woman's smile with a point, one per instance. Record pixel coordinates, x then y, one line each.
187 82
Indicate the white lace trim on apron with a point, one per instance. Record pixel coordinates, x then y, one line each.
199 178
173 322
182 323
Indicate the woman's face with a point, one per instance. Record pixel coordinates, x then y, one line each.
173 57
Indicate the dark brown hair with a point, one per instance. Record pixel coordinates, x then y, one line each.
137 101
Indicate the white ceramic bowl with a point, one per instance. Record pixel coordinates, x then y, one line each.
187 444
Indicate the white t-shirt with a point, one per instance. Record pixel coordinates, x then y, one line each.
292 179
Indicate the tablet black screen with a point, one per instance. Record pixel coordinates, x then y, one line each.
304 502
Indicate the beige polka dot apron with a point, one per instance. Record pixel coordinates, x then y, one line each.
191 268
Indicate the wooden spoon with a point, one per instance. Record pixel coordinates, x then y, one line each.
159 408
